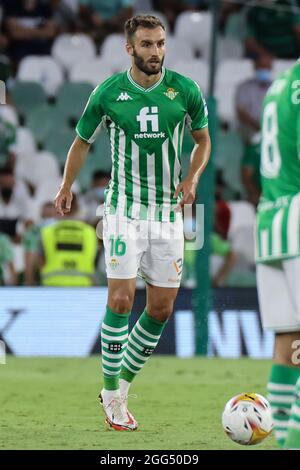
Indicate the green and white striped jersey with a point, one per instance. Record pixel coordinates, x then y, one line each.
278 216
146 129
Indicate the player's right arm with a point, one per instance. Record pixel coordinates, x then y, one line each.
75 160
87 130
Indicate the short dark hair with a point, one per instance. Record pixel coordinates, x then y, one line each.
144 21
6 170
100 174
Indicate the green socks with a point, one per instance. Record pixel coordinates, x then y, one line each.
281 388
114 335
293 438
141 344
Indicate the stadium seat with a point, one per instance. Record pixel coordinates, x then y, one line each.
25 145
195 28
41 121
28 96
281 65
196 69
99 158
58 142
176 48
113 52
101 153
68 49
43 70
46 167
230 74
93 72
46 192
228 48
8 113
25 149
69 107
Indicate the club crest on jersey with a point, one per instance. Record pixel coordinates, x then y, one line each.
114 263
171 93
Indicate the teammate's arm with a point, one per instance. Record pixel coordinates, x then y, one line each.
76 157
199 159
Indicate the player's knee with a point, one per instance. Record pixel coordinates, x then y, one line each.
287 349
161 312
121 302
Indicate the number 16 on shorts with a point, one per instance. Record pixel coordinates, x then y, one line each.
117 246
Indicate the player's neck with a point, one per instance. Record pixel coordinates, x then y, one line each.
142 79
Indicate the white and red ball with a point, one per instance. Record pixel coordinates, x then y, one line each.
247 418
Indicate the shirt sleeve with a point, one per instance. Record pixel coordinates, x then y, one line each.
197 108
89 125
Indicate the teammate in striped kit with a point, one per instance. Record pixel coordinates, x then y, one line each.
145 111
278 249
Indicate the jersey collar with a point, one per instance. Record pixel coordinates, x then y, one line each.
146 90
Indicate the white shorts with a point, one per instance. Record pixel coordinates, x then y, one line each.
151 249
279 295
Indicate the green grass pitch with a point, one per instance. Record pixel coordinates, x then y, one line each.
51 403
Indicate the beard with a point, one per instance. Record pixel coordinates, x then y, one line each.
148 67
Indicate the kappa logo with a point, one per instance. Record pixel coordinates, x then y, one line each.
124 97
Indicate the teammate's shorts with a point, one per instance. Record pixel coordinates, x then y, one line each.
152 250
279 295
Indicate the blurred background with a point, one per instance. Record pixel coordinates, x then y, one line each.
52 55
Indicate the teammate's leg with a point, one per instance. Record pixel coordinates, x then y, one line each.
279 313
146 333
282 382
292 272
293 437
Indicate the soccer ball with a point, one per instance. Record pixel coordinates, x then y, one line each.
247 418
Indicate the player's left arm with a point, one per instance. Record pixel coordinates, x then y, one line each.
199 159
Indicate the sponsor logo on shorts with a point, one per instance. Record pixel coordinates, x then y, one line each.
178 265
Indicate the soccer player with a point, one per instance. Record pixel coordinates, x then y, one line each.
278 249
145 110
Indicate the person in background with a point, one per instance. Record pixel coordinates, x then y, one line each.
102 18
222 249
248 103
15 205
6 262
29 26
273 29
31 241
219 246
249 97
250 172
68 252
94 197
7 140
